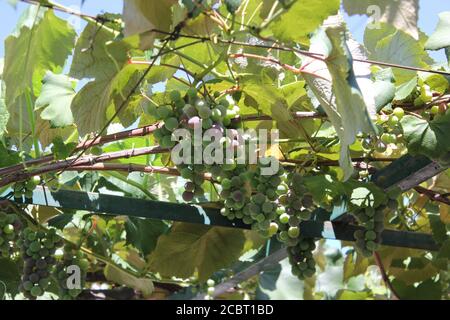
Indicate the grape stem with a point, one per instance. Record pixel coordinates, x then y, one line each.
384 275
433 195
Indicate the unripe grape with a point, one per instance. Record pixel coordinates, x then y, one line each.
204 112
163 112
284 218
267 207
380 147
293 232
434 110
398 112
189 110
200 103
393 120
175 95
171 123
216 114
273 228
8 229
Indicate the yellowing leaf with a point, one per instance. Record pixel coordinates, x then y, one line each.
144 285
191 248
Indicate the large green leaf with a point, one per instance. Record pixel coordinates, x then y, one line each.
29 55
427 138
338 83
402 15
55 99
143 233
397 48
405 90
427 290
191 248
4 114
302 18
142 16
97 56
441 36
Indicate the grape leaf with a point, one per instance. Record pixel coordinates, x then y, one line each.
402 15
29 55
427 138
405 90
62 150
144 285
143 233
190 248
9 277
302 18
384 88
4 114
97 56
55 99
338 84
441 36
278 283
397 48
141 16
426 290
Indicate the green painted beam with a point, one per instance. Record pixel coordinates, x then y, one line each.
118 205
407 172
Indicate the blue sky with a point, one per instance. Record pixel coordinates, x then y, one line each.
428 16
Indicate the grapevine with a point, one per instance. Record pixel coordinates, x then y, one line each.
222 149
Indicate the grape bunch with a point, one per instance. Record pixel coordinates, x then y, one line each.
74 258
301 258
295 206
235 193
10 227
391 131
26 188
192 112
263 206
37 249
369 238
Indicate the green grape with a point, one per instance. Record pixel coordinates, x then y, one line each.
175 95
216 114
190 111
393 120
284 218
293 232
171 123
273 228
163 112
267 207
398 112
435 110
38 262
385 138
370 235
204 112
380 146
